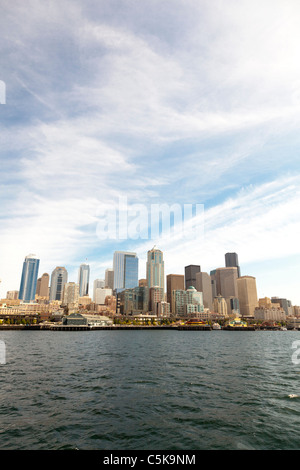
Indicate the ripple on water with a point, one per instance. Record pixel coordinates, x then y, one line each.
137 390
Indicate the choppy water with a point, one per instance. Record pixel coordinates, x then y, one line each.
148 390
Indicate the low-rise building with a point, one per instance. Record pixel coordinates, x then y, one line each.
269 314
80 319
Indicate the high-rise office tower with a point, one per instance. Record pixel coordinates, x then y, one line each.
174 282
125 267
83 279
247 295
190 275
59 277
226 281
42 288
155 269
109 278
29 278
71 294
231 260
98 284
204 285
156 295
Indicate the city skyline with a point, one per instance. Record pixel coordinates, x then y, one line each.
197 103
223 280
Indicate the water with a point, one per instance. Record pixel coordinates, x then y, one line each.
149 390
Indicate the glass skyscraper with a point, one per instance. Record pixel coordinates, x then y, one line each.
231 261
59 278
84 279
29 278
155 269
126 267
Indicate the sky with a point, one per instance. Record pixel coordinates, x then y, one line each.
186 102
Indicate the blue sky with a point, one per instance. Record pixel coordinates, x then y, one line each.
191 102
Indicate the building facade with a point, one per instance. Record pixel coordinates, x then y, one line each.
155 270
247 295
109 278
59 278
71 295
231 260
29 278
84 279
174 282
125 267
204 285
190 275
187 302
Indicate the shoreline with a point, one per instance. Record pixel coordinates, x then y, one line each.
133 327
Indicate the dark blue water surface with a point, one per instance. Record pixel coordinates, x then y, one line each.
147 390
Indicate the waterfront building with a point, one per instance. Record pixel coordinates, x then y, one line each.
100 295
109 278
12 295
155 270
204 285
296 310
84 279
187 302
59 278
174 282
190 275
163 309
125 266
247 295
81 319
29 278
134 300
231 260
71 294
269 314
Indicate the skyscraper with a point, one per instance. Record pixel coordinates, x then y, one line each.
125 266
98 284
203 284
231 260
59 277
29 278
42 289
226 281
190 275
71 294
109 278
83 279
174 282
247 295
155 269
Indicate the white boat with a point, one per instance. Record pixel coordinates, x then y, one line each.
283 328
216 326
